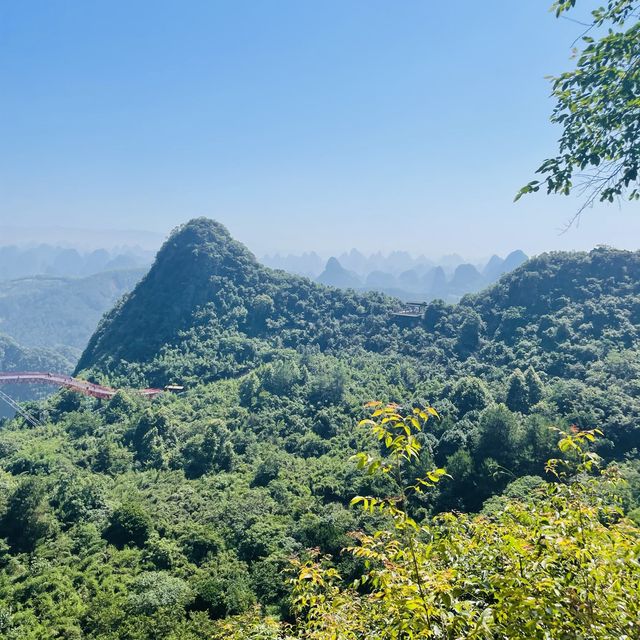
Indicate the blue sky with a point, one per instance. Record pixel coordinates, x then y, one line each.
299 124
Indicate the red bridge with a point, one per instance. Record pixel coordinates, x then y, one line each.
61 380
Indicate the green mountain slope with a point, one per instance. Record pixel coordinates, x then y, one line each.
207 298
15 357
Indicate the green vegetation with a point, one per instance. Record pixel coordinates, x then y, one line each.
573 318
559 563
179 518
19 358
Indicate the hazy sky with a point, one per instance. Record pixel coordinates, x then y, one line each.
299 124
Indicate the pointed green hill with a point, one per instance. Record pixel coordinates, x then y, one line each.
207 299
190 271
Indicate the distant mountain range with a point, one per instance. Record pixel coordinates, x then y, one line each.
399 273
60 313
422 281
18 261
312 264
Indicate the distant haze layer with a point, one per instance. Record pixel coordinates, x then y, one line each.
81 239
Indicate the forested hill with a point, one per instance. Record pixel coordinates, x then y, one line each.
554 281
20 358
558 311
207 311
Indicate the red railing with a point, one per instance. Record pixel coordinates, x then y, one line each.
61 380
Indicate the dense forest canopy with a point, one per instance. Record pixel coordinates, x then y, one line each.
138 520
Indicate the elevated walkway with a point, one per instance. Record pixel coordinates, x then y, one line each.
62 380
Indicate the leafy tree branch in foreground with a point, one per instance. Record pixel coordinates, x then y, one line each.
598 110
561 563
